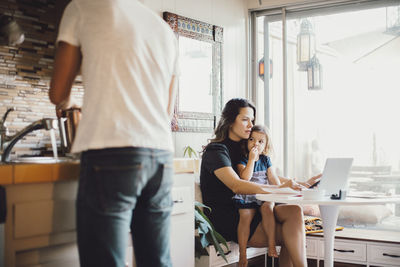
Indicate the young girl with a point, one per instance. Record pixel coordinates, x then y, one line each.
256 168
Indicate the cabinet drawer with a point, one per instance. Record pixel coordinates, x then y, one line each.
183 200
384 254
43 218
347 251
312 247
65 255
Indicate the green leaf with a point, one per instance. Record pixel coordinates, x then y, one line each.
221 239
203 225
217 246
190 151
204 216
199 204
207 234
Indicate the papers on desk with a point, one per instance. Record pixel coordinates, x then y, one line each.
277 197
279 193
281 190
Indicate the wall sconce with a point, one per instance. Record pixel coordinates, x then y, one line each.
393 20
305 44
261 68
314 74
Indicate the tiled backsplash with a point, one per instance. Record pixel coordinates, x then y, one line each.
25 70
25 73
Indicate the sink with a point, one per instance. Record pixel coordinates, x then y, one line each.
43 160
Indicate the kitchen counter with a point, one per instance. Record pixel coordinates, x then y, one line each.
40 219
22 173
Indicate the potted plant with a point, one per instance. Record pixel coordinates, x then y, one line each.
189 151
206 234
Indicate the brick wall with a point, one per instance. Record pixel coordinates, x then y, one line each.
25 70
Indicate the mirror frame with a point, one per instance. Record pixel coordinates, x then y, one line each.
186 121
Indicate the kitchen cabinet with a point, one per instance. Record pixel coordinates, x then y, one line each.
182 222
40 223
359 247
353 248
382 254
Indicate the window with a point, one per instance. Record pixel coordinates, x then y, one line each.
354 113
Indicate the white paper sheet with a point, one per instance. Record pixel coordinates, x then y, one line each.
282 190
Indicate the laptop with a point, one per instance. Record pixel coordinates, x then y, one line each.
335 175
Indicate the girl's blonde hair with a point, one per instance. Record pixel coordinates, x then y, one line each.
262 129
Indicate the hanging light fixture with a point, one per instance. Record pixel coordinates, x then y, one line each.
314 74
393 20
10 32
305 44
261 68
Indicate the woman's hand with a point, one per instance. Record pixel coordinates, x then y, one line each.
292 184
312 180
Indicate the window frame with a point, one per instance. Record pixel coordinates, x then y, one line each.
282 13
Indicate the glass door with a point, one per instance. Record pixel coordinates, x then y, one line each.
332 90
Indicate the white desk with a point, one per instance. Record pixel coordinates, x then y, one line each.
329 212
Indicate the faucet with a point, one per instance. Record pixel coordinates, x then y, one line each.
3 129
8 142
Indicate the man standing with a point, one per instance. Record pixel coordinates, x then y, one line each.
129 59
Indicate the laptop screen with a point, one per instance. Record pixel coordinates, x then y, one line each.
335 175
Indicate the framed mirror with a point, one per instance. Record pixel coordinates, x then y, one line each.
199 97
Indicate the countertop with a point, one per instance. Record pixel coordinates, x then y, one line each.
22 173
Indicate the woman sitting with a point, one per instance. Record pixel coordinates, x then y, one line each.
219 182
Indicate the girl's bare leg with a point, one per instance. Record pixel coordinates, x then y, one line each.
243 232
289 234
268 224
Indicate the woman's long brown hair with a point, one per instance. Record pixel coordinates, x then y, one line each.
228 117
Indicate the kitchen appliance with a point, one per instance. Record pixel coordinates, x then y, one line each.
68 125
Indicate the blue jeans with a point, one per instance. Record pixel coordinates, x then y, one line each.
122 189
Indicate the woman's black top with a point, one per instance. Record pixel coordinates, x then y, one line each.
224 215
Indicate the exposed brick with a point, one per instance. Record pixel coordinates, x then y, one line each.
4 54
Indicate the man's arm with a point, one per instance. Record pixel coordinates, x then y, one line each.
172 96
66 66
